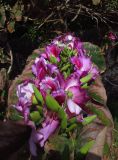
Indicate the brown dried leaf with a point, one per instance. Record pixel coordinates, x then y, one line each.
95 130
96 2
2 17
100 133
12 97
12 137
11 26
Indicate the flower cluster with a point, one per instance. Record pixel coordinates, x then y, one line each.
112 36
58 93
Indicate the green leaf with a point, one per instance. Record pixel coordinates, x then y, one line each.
38 95
86 78
100 114
96 54
53 59
34 56
84 149
64 123
72 120
14 115
63 59
2 17
72 127
66 153
85 86
35 116
65 75
34 100
89 119
61 113
18 15
65 67
18 81
40 109
106 149
52 104
17 10
59 143
96 97
11 26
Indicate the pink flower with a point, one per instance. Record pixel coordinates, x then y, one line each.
54 86
49 83
23 107
73 107
82 63
46 131
94 71
79 95
83 66
112 36
42 68
64 39
52 51
70 41
41 135
72 80
76 97
49 80
39 68
24 93
59 95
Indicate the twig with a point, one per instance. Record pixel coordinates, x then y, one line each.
77 14
45 20
110 82
11 56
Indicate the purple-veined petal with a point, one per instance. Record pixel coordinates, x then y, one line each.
80 118
94 71
59 77
76 61
72 81
49 83
59 95
25 90
53 50
26 113
31 124
79 95
44 55
112 36
32 143
41 135
86 63
52 69
39 67
22 103
47 131
34 70
18 107
73 107
82 63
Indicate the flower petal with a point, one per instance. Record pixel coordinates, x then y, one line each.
32 143
47 131
59 95
79 95
73 107
72 81
53 50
